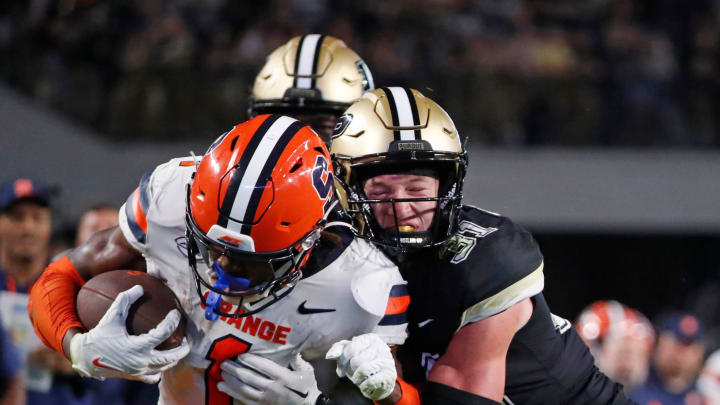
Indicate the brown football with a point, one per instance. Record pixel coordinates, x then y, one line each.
98 293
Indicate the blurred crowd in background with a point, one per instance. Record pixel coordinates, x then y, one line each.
511 72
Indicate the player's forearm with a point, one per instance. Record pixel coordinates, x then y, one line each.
104 251
394 397
67 338
403 394
51 306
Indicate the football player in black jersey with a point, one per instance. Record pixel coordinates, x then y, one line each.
481 331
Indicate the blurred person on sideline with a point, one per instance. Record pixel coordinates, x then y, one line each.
621 340
709 380
25 229
677 361
96 218
12 389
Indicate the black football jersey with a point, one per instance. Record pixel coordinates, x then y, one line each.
487 266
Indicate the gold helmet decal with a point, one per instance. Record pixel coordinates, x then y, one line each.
396 130
313 73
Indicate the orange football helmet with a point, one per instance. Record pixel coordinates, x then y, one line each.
602 319
258 197
620 338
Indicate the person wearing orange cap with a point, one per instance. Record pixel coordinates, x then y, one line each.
621 340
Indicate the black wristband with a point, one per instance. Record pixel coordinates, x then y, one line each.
440 394
322 400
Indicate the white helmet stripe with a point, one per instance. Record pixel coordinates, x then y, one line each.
404 113
305 62
254 169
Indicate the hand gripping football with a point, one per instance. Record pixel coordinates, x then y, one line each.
98 293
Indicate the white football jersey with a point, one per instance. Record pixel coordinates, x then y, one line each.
356 293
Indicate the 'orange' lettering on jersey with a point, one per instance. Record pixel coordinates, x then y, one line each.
254 325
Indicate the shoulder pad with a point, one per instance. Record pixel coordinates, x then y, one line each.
134 214
371 291
497 260
372 284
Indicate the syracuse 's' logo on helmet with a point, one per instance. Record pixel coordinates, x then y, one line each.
322 179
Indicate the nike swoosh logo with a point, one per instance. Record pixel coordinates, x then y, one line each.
306 311
425 322
97 363
300 394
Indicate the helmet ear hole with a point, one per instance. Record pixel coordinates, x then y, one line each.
298 164
233 143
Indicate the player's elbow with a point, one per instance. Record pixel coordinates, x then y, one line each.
485 381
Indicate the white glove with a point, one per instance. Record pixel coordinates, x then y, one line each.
108 351
255 380
368 363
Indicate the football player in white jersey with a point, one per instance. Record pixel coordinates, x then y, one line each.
238 237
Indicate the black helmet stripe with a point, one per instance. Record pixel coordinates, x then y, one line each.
270 163
253 169
414 109
306 61
239 173
404 113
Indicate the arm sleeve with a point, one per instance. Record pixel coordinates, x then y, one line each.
52 302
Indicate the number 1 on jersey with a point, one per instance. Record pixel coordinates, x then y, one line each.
226 347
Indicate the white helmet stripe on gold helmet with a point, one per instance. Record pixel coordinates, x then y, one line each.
306 60
404 113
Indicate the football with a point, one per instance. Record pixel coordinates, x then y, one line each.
98 293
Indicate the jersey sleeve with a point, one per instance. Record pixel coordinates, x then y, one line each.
504 268
392 328
384 294
134 214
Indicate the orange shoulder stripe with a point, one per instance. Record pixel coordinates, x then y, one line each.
397 305
138 211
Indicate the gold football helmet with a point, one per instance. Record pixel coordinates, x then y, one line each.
398 130
310 74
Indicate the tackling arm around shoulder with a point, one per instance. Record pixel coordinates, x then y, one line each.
473 367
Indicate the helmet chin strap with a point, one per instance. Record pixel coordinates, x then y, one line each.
224 281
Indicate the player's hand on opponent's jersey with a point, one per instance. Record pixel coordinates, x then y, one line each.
108 351
367 361
255 380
